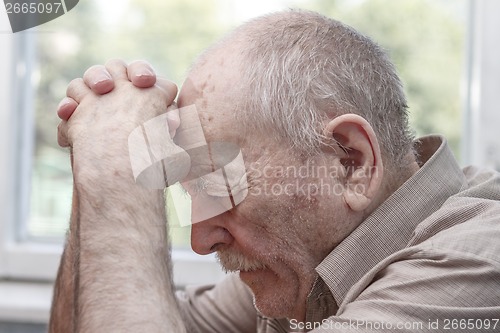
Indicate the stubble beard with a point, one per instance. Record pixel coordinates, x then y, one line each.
234 262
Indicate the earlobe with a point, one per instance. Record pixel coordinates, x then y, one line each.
357 202
361 159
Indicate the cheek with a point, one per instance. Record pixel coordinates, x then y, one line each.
287 221
278 295
276 234
276 231
278 218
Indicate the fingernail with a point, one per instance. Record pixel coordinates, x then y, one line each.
65 101
101 78
145 72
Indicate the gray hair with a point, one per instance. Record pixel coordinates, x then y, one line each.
301 68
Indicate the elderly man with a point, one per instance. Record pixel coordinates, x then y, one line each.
389 234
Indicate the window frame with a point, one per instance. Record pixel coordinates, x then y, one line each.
29 264
481 84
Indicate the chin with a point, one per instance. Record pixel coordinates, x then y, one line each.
274 296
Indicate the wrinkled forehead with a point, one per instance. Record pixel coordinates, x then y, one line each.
209 134
211 105
208 130
212 74
214 87
215 74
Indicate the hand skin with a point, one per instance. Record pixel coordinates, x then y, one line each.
99 80
115 272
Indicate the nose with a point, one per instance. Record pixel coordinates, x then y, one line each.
207 236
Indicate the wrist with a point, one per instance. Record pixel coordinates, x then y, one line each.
123 218
101 166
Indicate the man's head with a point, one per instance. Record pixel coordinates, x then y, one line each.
320 116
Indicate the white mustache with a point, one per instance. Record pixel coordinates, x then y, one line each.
233 262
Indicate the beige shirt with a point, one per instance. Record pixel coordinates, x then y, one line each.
427 260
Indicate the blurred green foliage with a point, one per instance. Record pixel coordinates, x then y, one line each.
424 38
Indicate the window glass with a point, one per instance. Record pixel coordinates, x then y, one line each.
424 38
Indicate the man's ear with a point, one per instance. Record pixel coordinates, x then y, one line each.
360 157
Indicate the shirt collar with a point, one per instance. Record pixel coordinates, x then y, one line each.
390 227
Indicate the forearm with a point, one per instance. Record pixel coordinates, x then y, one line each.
124 273
116 275
63 303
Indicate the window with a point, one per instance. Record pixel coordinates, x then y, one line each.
35 171
431 72
426 40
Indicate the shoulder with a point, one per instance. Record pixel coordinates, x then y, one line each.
450 267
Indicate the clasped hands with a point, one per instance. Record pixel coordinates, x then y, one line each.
108 117
101 109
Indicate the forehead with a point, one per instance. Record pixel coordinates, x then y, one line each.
208 76
212 86
210 91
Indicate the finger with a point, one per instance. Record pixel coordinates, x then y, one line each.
117 68
77 89
141 74
173 119
62 134
98 79
66 108
168 87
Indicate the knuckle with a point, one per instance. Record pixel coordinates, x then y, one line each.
168 87
73 86
140 63
62 138
172 91
62 127
94 71
115 62
145 68
118 70
172 87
